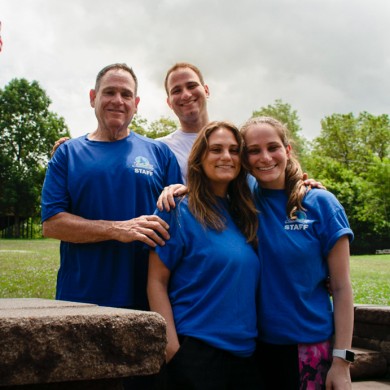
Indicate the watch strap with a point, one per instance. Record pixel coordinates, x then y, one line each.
345 354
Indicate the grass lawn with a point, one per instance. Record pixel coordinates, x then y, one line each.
28 269
370 275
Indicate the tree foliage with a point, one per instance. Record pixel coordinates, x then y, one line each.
351 157
27 132
156 129
354 141
139 125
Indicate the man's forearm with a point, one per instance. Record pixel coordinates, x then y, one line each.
72 228
150 229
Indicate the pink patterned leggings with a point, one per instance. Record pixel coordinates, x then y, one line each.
314 363
294 367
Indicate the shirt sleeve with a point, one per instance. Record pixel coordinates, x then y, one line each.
334 222
55 196
173 251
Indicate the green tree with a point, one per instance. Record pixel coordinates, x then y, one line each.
139 125
289 117
375 134
351 157
161 127
158 128
338 139
27 132
354 141
373 206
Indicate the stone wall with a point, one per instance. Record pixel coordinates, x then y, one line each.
46 344
88 346
371 341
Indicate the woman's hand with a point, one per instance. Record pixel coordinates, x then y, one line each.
171 351
339 377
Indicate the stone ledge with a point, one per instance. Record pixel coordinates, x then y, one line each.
45 341
372 314
371 385
379 332
100 384
37 303
368 364
366 343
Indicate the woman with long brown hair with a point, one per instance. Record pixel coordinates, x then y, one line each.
204 280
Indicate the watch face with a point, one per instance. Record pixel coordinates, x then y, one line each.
349 356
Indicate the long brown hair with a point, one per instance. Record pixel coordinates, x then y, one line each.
294 185
202 201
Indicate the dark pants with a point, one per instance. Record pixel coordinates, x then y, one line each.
140 383
279 366
199 366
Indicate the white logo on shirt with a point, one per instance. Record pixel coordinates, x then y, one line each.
300 223
141 165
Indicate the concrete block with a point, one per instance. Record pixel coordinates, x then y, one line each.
368 364
371 330
372 314
45 341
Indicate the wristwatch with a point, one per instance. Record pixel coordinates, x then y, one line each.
345 354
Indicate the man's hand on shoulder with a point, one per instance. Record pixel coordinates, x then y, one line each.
312 183
57 144
150 229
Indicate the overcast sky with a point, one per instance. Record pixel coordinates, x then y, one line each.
320 56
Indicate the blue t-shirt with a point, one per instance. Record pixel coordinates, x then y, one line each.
113 181
214 281
294 304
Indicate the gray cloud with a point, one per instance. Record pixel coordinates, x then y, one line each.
320 56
